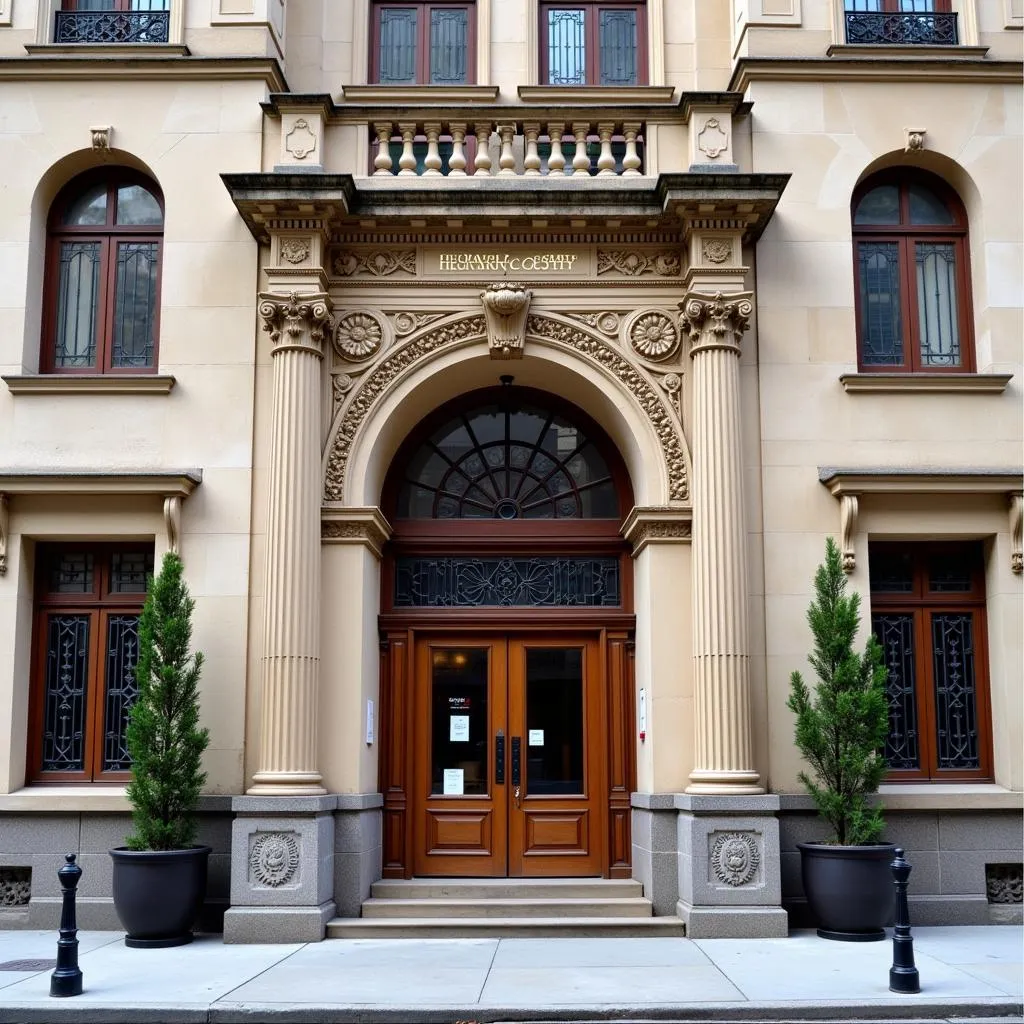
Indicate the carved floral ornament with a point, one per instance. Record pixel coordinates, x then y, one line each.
506 306
420 346
653 335
375 262
291 319
638 264
735 858
295 250
716 250
716 319
274 858
358 335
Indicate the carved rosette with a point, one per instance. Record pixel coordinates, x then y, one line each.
716 321
295 250
506 306
716 250
652 335
274 859
358 335
296 321
735 858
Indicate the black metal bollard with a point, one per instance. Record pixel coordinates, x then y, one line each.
903 976
66 980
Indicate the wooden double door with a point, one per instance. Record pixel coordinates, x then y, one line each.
508 775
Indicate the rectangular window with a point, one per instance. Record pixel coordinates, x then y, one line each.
429 43
900 23
113 21
592 43
88 602
928 613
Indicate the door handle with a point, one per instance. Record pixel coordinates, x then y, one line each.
517 743
499 758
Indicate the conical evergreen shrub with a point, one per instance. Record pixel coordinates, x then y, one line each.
841 727
164 738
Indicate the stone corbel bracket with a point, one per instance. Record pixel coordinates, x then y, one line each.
366 526
506 307
1016 522
3 534
657 525
172 522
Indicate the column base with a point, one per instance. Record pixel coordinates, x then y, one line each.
733 922
286 784
724 783
277 924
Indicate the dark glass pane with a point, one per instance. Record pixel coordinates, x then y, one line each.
135 304
956 712
950 571
67 684
938 318
71 572
129 571
90 207
449 46
398 45
618 40
459 727
880 206
135 205
896 635
863 5
554 720
78 288
927 208
881 327
506 582
567 60
891 572
121 689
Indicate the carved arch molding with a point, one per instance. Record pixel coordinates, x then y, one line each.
551 329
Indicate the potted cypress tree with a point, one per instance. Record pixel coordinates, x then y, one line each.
840 730
160 876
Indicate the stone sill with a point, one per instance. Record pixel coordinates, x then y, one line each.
911 50
89 384
105 49
928 383
603 96
49 799
418 95
942 796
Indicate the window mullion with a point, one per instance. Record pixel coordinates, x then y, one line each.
105 319
94 696
908 284
926 695
423 43
592 41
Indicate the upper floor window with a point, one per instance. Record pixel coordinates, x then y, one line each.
900 22
910 256
428 43
103 275
113 21
593 43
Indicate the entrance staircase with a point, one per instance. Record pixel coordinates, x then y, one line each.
459 908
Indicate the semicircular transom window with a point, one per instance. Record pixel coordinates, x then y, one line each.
508 461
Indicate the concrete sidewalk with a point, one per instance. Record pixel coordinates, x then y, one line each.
965 972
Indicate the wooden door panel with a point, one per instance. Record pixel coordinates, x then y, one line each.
464 832
556 831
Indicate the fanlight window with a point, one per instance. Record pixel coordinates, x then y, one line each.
508 461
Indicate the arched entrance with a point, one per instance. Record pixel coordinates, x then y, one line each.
507 622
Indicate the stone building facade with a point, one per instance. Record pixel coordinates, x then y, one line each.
499 369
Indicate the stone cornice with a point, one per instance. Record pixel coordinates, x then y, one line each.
139 67
657 524
915 480
365 526
89 384
178 483
927 383
927 70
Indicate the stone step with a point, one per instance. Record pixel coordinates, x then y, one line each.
550 907
502 928
506 888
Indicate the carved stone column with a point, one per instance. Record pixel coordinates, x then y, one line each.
290 664
724 743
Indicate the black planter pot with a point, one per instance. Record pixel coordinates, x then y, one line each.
849 889
158 894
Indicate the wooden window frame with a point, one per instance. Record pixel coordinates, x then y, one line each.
592 38
893 7
99 604
110 236
424 7
922 604
907 236
118 5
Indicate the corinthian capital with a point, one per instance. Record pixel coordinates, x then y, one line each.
715 321
296 321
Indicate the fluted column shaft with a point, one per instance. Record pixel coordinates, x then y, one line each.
724 743
290 662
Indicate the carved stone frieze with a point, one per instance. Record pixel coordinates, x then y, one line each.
405 322
15 887
735 857
607 322
359 335
341 385
658 524
652 335
374 262
715 319
631 263
672 385
295 320
1004 883
365 526
506 306
273 858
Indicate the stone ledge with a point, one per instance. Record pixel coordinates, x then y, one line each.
926 383
89 384
925 797
360 801
699 804
282 806
64 799
653 801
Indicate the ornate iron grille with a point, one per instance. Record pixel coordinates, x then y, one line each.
112 27
507 582
122 689
896 635
887 28
956 711
67 676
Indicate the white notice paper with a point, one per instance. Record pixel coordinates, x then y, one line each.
459 729
536 738
453 782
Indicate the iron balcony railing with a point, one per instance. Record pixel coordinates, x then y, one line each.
112 27
897 28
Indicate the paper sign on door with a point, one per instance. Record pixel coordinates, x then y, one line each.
536 737
459 729
453 785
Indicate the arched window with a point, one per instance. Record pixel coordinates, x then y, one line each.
910 261
103 275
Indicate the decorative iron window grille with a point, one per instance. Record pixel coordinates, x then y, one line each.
898 28
112 27
468 582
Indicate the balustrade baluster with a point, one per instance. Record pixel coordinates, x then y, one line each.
531 161
556 162
580 160
407 161
432 161
506 159
382 161
483 150
457 161
631 161
605 162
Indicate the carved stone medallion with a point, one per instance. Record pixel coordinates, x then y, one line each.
716 250
653 335
712 139
506 305
735 858
295 250
274 858
301 140
358 335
